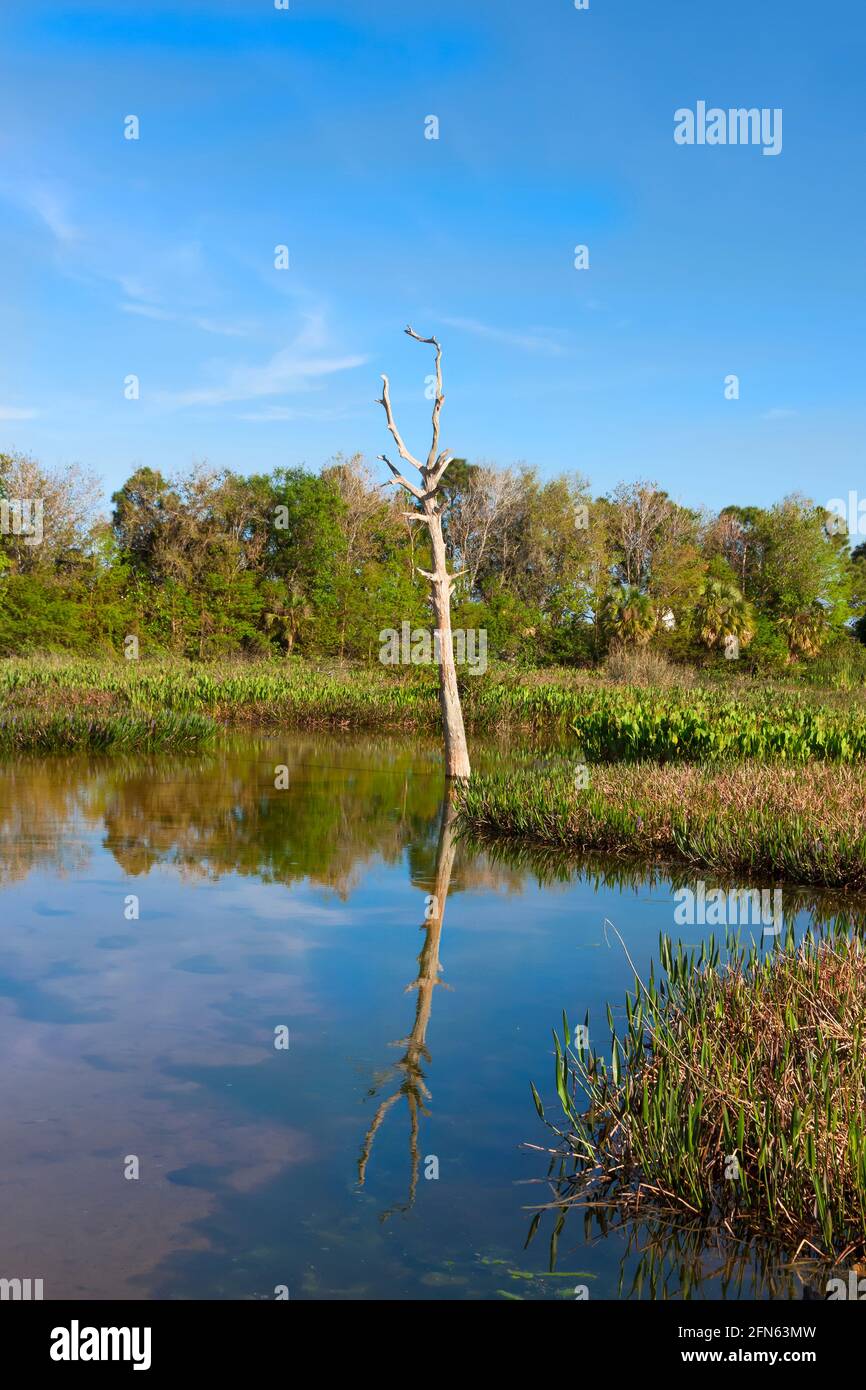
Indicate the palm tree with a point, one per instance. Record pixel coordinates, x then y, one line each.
721 612
806 630
630 616
291 614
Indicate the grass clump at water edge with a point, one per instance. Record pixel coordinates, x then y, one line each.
732 1095
40 731
803 825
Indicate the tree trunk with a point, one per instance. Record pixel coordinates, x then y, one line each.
456 751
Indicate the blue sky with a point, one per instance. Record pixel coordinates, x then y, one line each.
305 127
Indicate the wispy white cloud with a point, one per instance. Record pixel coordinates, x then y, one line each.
298 367
49 205
174 283
225 330
271 413
779 412
149 311
282 374
526 342
164 278
207 325
14 412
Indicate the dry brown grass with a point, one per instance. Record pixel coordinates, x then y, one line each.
803 824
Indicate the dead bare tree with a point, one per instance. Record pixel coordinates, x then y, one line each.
441 582
489 506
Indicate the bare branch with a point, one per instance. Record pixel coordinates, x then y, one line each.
435 474
398 477
385 400
441 578
417 336
440 394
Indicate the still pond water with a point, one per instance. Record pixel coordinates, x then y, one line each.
303 909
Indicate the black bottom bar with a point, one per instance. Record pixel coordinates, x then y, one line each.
230 1338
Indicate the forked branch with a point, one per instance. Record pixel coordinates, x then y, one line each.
410 487
432 460
437 462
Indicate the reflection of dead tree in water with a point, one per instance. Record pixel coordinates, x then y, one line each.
412 1085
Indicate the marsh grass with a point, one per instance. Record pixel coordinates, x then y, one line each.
611 722
732 1095
39 731
803 825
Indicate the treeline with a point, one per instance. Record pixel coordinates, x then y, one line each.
214 564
